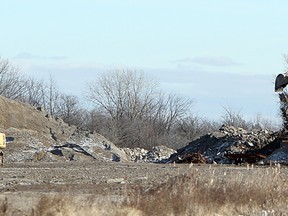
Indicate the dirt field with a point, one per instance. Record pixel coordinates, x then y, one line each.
23 184
85 178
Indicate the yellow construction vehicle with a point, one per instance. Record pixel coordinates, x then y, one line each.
2 146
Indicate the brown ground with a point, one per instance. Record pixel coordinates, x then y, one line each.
22 184
84 177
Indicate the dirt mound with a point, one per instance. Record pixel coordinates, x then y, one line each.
35 136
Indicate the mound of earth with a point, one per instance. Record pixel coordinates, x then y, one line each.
33 135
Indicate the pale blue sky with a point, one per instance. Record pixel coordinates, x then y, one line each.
218 53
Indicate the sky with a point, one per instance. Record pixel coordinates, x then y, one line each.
223 53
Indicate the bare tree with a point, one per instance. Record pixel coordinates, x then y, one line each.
12 83
52 96
170 109
234 118
35 94
44 94
124 93
260 122
69 109
140 113
192 127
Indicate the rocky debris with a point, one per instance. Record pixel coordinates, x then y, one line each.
157 154
116 181
70 152
27 145
31 146
135 154
280 154
228 140
97 146
246 158
192 158
36 136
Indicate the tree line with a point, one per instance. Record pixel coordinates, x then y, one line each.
129 108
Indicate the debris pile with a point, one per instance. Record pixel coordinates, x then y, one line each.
80 146
37 136
228 140
192 158
157 154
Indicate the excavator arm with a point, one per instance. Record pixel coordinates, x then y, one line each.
281 82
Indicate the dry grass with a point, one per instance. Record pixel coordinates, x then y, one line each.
219 193
209 191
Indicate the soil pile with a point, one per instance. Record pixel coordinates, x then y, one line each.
33 135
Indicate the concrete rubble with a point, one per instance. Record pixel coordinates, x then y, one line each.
158 154
228 140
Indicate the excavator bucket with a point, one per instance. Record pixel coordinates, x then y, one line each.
281 82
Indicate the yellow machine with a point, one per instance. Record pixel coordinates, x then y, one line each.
2 146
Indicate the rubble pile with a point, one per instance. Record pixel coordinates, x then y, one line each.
192 158
228 140
135 154
80 146
97 146
278 156
158 154
232 145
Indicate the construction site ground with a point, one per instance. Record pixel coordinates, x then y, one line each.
23 184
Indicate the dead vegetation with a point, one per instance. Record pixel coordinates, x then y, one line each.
218 193
209 191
